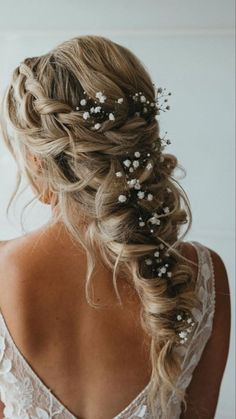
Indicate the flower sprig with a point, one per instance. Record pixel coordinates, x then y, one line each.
141 106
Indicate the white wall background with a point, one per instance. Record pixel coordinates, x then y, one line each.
188 47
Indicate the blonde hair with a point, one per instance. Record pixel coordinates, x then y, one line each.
79 165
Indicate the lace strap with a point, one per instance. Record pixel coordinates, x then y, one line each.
204 316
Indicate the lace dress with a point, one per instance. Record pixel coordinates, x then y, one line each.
25 396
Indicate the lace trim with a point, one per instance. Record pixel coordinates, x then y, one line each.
202 333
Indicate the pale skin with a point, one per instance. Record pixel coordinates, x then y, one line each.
95 362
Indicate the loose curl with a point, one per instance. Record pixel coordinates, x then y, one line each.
79 166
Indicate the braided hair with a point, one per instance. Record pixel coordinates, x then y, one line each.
79 166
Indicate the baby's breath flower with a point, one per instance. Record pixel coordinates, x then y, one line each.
140 194
122 198
127 162
136 163
111 117
86 115
141 223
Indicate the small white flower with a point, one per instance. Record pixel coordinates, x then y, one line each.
179 317
102 99
189 320
142 99
189 330
111 117
149 166
161 246
77 108
97 126
97 109
157 254
154 220
137 185
142 223
140 194
118 174
132 182
86 115
148 261
122 198
83 102
127 162
137 154
120 100
145 110
148 154
166 210
169 274
98 95
92 109
163 269
182 334
182 341
131 169
136 163
192 324
150 197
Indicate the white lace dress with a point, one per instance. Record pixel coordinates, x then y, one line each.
25 396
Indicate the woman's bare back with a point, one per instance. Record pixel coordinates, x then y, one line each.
82 354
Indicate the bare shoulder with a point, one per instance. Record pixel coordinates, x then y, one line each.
204 389
12 255
18 258
18 254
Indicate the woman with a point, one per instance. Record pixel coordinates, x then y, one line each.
105 311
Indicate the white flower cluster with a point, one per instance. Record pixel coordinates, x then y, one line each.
134 183
143 105
184 333
156 259
130 165
96 111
